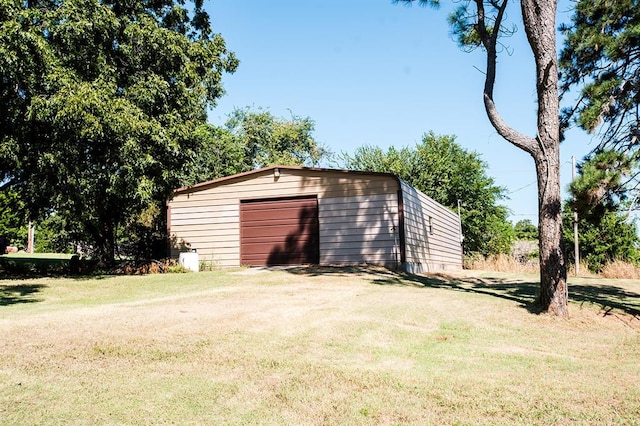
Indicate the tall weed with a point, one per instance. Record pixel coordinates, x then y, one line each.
620 269
616 269
502 263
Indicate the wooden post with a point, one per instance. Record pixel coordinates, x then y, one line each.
30 238
461 234
576 248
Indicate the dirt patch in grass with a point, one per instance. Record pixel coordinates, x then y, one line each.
317 346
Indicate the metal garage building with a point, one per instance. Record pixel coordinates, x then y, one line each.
293 215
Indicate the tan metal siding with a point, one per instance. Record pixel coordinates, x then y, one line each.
360 229
427 251
208 217
211 229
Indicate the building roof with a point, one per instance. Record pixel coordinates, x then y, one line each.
207 184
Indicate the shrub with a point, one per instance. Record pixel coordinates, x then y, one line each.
164 266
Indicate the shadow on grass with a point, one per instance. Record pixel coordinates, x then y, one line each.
21 293
31 275
523 292
608 297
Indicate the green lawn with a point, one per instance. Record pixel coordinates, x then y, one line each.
40 262
316 346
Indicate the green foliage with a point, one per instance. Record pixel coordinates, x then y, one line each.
612 237
599 186
374 159
221 153
100 105
465 19
251 139
269 140
599 196
449 174
601 54
463 25
53 236
525 230
13 226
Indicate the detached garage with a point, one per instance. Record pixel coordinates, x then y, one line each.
282 215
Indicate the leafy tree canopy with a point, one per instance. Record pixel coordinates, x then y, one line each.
603 183
271 140
221 153
449 174
613 237
601 55
249 139
100 101
13 226
525 230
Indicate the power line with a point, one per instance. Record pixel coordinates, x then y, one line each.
520 189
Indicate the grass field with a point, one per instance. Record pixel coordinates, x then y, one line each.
22 262
37 256
316 346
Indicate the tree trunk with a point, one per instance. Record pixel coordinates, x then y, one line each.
104 240
540 25
109 247
553 296
538 17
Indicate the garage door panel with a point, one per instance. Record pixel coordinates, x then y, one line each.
291 214
279 231
273 219
277 258
275 233
261 205
259 246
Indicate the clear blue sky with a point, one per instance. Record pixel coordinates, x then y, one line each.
371 72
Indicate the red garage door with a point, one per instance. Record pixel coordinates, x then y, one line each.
281 231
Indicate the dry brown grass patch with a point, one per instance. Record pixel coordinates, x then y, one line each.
501 263
620 269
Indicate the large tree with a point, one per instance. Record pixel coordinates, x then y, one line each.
601 56
480 23
454 177
101 100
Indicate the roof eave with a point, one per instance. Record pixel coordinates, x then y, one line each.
203 185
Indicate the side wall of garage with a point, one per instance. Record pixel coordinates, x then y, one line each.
433 240
357 214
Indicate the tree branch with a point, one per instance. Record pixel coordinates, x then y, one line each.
489 41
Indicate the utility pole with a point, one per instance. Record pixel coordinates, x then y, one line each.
576 248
